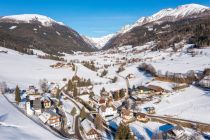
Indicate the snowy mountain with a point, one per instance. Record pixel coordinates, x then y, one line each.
170 14
32 31
153 27
99 42
29 18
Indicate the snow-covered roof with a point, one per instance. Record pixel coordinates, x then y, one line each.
87 125
44 117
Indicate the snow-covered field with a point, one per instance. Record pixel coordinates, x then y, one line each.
15 125
181 62
192 104
25 70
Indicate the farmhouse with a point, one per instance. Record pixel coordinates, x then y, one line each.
126 114
143 90
89 129
107 111
46 102
51 118
155 89
32 90
99 100
150 110
142 117
168 131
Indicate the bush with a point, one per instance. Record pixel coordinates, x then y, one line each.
206 72
104 73
114 80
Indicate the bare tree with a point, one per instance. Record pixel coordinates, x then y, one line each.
43 84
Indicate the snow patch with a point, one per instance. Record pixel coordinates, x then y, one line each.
28 18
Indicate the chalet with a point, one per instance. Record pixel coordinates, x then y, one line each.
46 102
32 90
126 114
155 89
136 99
105 94
99 100
107 111
51 118
37 106
169 131
109 101
85 90
150 110
89 130
142 117
143 90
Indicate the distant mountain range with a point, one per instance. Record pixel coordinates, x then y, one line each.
189 22
149 28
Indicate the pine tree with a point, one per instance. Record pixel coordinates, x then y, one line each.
75 92
58 94
17 94
70 86
123 133
122 93
92 94
103 90
73 67
99 122
88 82
116 96
73 111
83 113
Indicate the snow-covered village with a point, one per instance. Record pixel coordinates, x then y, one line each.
150 80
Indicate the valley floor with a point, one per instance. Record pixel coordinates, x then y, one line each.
191 103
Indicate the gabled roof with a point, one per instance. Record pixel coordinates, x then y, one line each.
103 108
45 97
88 127
156 88
125 112
143 88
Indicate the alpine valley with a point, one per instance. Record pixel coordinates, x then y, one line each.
149 80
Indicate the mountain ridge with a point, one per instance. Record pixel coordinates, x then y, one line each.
164 15
33 31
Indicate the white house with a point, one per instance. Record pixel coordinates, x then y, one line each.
29 111
126 114
89 130
107 111
51 118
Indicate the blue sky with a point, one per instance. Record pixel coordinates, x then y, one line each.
92 17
